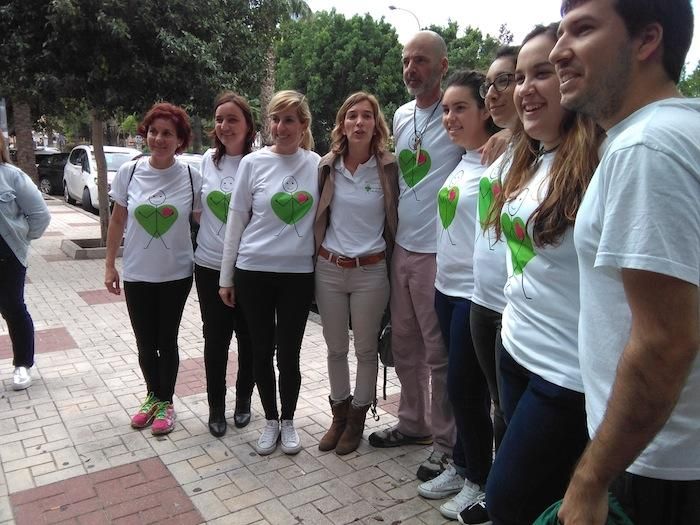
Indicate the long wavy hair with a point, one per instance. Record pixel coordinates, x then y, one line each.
380 136
242 103
575 161
288 99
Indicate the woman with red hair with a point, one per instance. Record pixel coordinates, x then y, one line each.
153 198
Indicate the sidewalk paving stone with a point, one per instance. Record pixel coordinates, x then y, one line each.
68 454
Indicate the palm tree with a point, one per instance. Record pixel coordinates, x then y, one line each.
293 10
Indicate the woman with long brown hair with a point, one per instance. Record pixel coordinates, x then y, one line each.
554 155
354 230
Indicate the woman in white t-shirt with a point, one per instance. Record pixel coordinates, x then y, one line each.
153 198
269 240
553 157
469 125
233 134
355 229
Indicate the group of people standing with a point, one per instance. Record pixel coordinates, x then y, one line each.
542 280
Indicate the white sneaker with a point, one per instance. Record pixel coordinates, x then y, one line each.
267 443
21 378
291 444
446 484
470 493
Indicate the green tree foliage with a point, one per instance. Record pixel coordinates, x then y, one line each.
472 50
328 57
690 84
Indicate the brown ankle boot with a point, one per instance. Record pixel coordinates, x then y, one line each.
352 435
340 413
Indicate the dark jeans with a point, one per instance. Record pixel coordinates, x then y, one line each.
263 298
485 326
649 501
155 310
467 390
13 309
545 437
219 323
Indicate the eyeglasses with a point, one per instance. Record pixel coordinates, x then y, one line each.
500 84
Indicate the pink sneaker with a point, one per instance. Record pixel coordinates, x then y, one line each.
164 421
146 413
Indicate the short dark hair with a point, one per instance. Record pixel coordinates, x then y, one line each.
472 80
508 52
674 16
174 114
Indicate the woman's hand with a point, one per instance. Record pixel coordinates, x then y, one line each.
495 146
112 281
227 296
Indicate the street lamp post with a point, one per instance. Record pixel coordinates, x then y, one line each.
395 8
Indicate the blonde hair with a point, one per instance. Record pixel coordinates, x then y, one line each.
3 151
288 99
380 136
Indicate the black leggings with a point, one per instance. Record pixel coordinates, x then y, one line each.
219 322
286 297
486 334
155 310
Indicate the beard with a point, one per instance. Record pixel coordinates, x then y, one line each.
427 85
607 94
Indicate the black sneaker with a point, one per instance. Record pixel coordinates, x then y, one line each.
432 467
475 514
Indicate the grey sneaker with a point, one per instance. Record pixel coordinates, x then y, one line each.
267 443
470 494
433 466
291 444
446 484
21 378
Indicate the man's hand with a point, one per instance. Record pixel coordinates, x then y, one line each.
112 281
584 504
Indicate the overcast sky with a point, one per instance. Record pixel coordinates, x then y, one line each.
487 15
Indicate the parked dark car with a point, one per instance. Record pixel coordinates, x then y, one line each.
50 170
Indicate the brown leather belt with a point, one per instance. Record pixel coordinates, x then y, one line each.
350 262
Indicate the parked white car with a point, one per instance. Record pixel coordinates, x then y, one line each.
80 173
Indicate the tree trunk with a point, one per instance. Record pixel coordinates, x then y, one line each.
25 145
196 134
267 89
102 197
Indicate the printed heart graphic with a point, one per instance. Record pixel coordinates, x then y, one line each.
519 242
447 205
291 207
411 171
218 203
156 220
488 191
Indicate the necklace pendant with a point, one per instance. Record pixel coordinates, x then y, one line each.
417 151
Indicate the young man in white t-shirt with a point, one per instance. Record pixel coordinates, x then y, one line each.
638 242
426 157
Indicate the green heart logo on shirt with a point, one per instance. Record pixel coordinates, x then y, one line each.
488 191
519 242
156 220
413 172
447 205
218 203
291 207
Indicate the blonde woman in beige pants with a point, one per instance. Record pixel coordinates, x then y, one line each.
354 232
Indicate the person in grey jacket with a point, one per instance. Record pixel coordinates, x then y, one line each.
23 216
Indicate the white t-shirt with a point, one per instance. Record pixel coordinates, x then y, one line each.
357 211
217 185
456 202
490 252
540 320
281 194
641 212
420 179
157 244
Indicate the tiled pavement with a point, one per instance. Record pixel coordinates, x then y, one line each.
68 455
